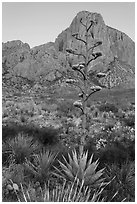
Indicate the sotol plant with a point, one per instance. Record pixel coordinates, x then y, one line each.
78 166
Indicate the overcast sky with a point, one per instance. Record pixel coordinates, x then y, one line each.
39 23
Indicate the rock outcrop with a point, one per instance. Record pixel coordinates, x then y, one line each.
37 64
115 43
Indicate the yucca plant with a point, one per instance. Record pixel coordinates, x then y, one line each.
41 165
78 166
21 148
67 192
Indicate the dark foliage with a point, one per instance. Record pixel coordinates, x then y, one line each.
65 108
18 149
108 107
114 153
129 121
46 136
122 181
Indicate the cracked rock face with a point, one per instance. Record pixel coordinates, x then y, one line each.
115 43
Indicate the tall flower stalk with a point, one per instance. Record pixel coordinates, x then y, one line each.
88 80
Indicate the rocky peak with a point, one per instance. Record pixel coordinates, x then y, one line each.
114 43
13 46
86 16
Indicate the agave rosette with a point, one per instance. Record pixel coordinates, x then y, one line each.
78 166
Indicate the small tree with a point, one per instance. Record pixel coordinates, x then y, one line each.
87 80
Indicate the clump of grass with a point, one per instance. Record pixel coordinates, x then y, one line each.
21 148
41 165
123 181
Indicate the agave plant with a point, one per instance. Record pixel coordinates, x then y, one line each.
80 167
41 165
21 148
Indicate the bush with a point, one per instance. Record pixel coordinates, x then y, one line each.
107 107
129 121
45 135
65 107
113 153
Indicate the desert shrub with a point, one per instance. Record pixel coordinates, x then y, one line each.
10 131
109 126
65 107
5 153
129 121
5 112
120 114
122 181
9 103
49 107
113 153
90 146
23 119
45 135
131 150
107 107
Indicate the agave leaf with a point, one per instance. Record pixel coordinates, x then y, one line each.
75 158
80 174
98 183
90 160
67 164
95 177
91 169
70 159
63 166
83 162
75 169
73 164
58 173
67 171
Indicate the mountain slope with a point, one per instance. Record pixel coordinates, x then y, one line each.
47 62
